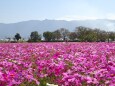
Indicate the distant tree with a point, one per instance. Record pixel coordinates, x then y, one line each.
17 36
64 33
91 36
112 36
48 36
35 37
72 36
56 35
103 36
86 34
81 33
97 32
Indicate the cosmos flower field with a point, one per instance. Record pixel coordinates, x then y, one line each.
62 64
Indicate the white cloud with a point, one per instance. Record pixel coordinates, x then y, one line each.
73 17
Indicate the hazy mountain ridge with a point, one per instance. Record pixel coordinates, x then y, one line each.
26 27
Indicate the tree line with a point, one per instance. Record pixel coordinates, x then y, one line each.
82 34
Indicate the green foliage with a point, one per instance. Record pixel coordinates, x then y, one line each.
17 36
82 34
92 35
103 36
48 36
56 35
111 36
72 36
28 83
35 37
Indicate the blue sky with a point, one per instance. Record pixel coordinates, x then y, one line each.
23 10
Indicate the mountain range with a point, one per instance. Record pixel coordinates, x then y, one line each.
26 27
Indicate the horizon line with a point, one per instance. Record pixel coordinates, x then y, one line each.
54 20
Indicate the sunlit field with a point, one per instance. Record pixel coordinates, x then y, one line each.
62 64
